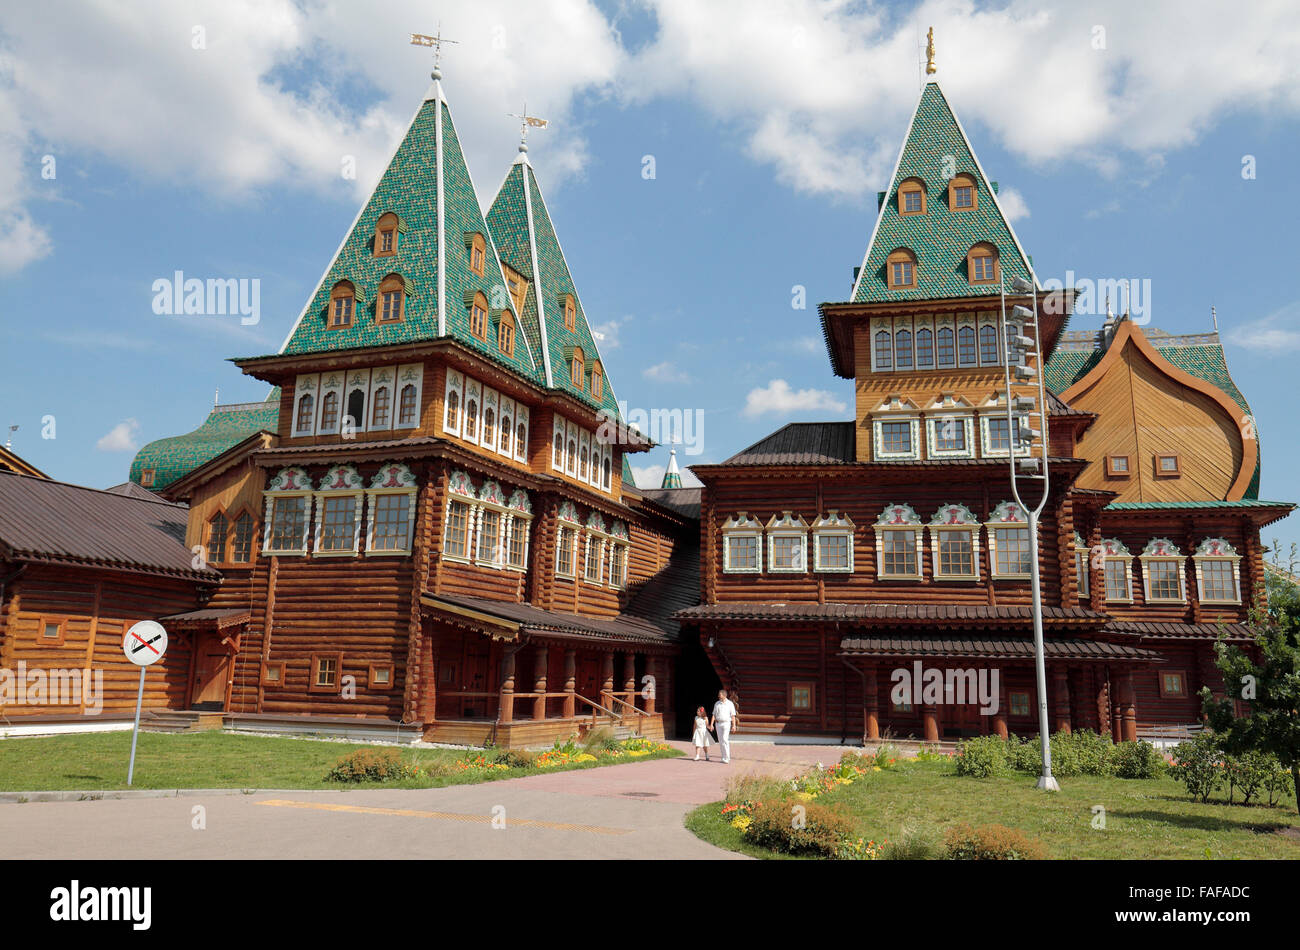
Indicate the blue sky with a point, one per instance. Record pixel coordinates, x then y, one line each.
757 188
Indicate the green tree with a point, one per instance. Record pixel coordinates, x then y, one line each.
1270 685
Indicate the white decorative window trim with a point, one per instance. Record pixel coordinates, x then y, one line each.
898 518
1008 514
742 525
788 525
986 449
490 420
1162 550
381 377
341 481
411 374
358 380
937 418
1082 567
1217 549
306 386
558 431
521 433
393 478
1114 550
954 519
572 531
292 482
877 429
451 416
331 383
831 525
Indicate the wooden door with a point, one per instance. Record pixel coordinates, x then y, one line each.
476 677
962 719
211 670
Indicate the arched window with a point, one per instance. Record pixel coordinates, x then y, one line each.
379 409
489 423
966 346
982 264
582 463
557 456
604 478
924 349
570 313
506 334
597 381
576 368
477 253
947 351
306 406
392 297
343 300
504 444
329 412
471 418
900 269
573 453
478 317
406 407
386 236
884 350
218 527
988 344
242 550
903 349
963 195
357 408
521 439
911 197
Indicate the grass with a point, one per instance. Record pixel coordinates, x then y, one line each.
1145 818
98 762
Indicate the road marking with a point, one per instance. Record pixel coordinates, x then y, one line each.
446 816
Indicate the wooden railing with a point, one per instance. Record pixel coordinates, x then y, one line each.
617 705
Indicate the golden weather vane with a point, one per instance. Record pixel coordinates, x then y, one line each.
436 41
526 122
930 68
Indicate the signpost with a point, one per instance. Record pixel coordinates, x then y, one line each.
144 645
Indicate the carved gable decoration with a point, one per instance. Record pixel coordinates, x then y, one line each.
953 515
902 515
1113 547
568 512
290 479
341 478
459 484
1008 513
596 522
393 475
618 530
519 501
1161 547
491 493
1215 547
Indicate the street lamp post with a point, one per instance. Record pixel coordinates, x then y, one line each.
1035 469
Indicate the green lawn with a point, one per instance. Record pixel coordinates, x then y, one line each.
1144 818
98 761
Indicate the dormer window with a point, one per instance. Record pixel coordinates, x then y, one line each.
392 297
478 316
506 334
962 193
900 268
911 197
597 381
570 313
477 252
343 299
576 373
386 235
982 264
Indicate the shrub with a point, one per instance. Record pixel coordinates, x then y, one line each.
1246 773
1278 782
982 757
799 828
1024 755
1198 764
1081 753
371 765
1137 760
912 844
598 740
515 758
991 843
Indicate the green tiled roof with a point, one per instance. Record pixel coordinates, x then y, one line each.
1160 505
1202 360
410 188
226 426
520 245
940 238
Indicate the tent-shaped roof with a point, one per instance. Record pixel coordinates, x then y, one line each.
936 149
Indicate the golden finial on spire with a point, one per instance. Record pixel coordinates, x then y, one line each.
930 68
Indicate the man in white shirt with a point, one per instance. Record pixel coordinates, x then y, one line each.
723 718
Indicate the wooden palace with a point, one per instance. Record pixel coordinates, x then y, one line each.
429 528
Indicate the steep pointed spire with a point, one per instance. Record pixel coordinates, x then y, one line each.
528 243
428 187
672 477
937 233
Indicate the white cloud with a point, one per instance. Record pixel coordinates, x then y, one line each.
272 98
607 334
1277 334
777 397
665 372
1013 204
121 438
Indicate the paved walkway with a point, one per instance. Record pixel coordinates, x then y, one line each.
618 811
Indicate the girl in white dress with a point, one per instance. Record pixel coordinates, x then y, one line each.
701 737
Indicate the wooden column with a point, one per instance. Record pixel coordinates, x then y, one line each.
629 676
428 689
570 682
507 713
1000 717
607 674
652 667
1061 698
930 717
1128 707
539 681
870 702
1101 682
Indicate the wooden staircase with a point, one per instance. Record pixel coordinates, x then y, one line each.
180 720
